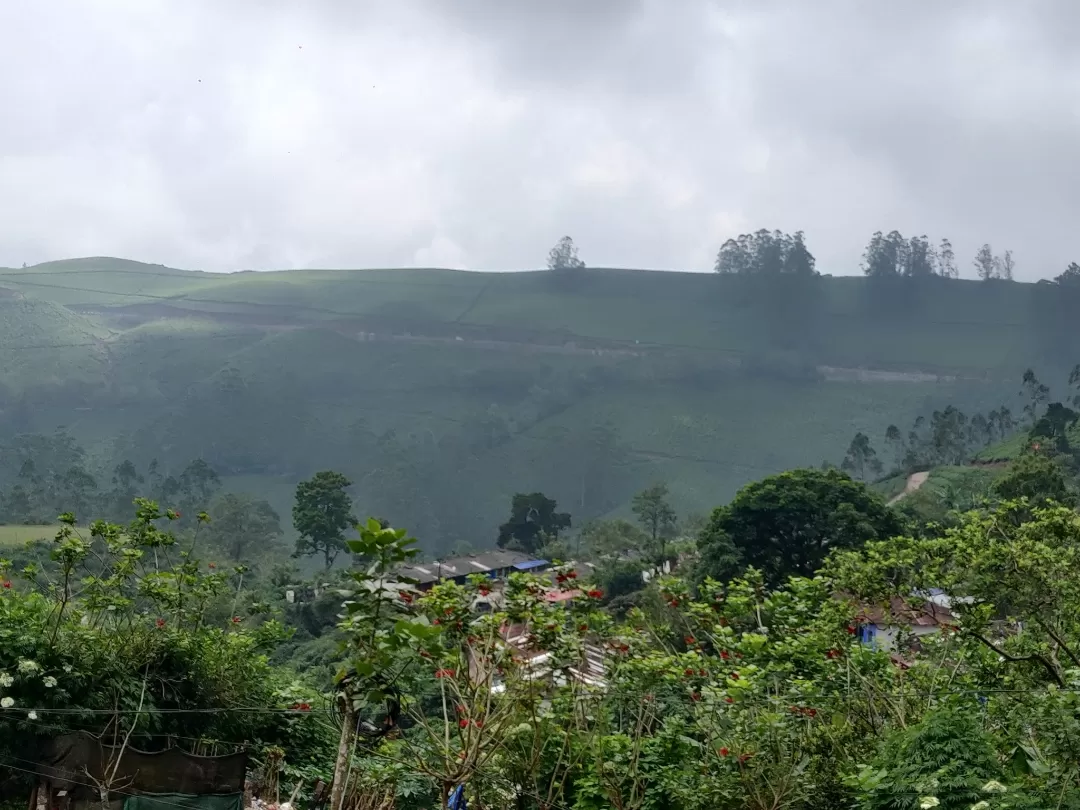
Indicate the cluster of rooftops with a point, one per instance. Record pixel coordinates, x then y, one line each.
494 564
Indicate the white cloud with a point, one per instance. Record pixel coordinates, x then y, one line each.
474 134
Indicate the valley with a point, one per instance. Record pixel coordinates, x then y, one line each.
457 389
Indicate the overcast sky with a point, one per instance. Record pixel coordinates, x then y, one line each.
228 134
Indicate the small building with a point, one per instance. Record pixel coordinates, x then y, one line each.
881 627
590 670
495 564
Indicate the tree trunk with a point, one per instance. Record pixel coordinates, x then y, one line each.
344 754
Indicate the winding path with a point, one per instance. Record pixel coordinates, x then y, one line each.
914 481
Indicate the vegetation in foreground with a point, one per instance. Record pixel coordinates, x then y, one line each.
745 681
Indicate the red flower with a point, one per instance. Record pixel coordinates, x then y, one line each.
694 696
406 597
723 752
812 712
832 654
596 593
571 574
160 622
688 672
236 620
304 707
729 699
582 628
463 723
436 621
690 639
478 723
7 585
674 602
560 577
484 591
851 630
444 673
623 647
725 654
734 676
448 611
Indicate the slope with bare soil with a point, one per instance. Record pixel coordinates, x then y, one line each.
914 482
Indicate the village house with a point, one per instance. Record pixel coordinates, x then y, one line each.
493 564
884 627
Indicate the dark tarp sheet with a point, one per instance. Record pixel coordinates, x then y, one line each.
67 760
178 801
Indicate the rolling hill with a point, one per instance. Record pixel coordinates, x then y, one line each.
441 393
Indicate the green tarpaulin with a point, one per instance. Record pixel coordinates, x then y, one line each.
184 801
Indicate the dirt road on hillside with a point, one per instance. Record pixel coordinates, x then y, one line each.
474 337
914 481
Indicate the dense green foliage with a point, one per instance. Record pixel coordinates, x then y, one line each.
738 695
121 630
322 513
752 689
533 522
785 525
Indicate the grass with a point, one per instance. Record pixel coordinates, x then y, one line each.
889 488
17 536
952 325
159 346
1012 447
44 343
705 445
965 480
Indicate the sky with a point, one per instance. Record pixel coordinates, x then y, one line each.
265 134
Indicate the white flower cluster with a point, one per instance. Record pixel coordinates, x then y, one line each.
25 667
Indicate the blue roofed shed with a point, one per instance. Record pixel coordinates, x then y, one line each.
532 565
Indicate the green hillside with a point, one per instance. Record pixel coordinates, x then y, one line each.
441 393
45 344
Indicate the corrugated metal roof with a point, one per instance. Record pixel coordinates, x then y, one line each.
528 565
482 563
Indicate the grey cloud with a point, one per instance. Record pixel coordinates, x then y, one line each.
965 106
475 133
641 48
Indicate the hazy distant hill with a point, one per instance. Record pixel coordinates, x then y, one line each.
443 392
